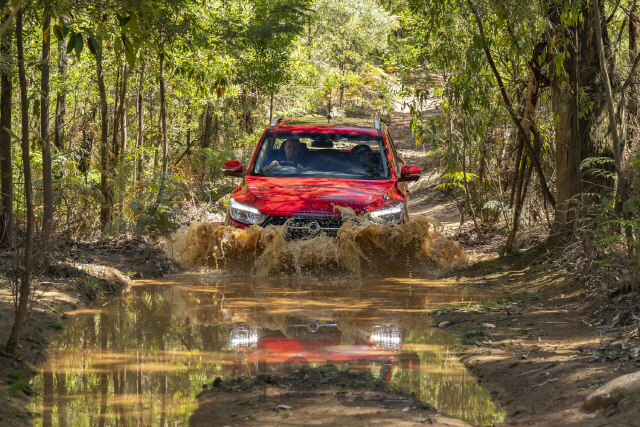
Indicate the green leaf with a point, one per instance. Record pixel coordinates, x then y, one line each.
58 32
78 44
93 45
118 46
130 56
3 3
123 20
10 132
70 47
132 25
150 45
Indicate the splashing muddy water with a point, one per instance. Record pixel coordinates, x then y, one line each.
140 359
360 246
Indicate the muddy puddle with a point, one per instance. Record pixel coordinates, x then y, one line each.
141 359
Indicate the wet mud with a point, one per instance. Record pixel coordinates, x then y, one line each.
142 358
361 248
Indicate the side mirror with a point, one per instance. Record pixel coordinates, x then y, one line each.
233 168
409 173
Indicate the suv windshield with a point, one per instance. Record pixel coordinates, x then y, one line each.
316 155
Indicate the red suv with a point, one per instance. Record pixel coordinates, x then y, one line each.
303 169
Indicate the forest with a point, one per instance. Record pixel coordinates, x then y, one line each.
117 115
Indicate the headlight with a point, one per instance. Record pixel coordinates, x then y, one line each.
244 213
392 215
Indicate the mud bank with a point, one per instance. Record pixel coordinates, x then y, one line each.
541 348
87 272
360 247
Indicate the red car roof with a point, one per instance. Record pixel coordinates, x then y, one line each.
322 125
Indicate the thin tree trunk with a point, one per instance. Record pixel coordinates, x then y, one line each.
122 111
115 144
271 109
466 190
47 176
124 131
156 153
140 125
516 198
206 138
216 131
6 167
105 208
61 103
188 149
165 144
25 284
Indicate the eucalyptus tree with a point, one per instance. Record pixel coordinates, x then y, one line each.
25 283
6 166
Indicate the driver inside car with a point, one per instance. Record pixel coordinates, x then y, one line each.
291 148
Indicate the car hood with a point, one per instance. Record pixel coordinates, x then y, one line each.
315 196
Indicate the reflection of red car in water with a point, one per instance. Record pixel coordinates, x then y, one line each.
315 342
303 168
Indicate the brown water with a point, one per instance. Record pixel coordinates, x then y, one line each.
362 247
142 358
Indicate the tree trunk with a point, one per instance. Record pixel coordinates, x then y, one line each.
466 190
47 176
216 131
165 144
122 111
140 126
105 208
156 153
613 123
632 103
25 283
206 129
579 134
115 144
124 130
6 167
271 109
188 149
61 103
522 172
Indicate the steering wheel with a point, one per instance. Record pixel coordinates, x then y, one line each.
287 163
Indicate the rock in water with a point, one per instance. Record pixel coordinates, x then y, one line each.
613 392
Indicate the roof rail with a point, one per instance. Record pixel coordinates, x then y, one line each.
377 125
377 122
276 120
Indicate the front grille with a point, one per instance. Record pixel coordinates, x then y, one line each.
304 227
